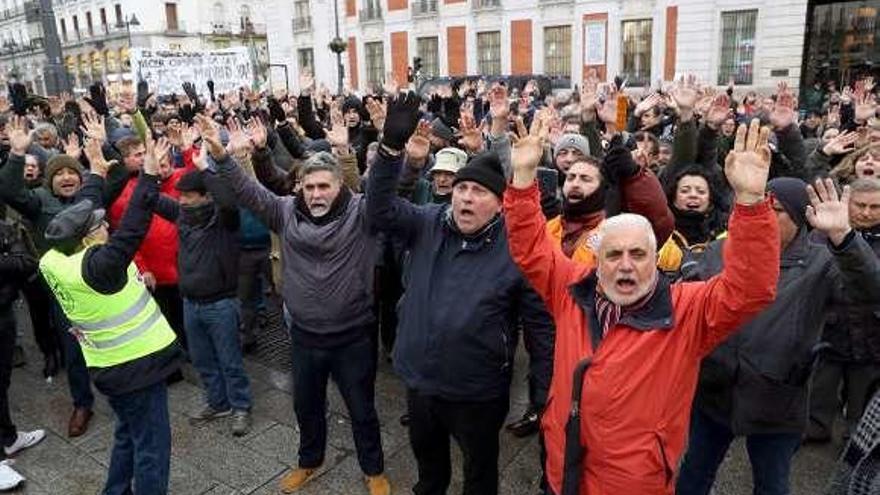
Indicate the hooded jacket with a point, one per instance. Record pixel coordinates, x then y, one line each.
757 380
636 395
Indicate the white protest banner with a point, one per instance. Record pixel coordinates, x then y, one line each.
166 70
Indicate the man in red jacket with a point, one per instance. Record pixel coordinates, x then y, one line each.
157 256
629 343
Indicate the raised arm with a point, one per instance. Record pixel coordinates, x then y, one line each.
747 284
543 263
386 210
253 196
13 190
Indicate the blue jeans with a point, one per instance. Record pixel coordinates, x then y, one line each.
770 456
212 336
353 368
142 442
75 364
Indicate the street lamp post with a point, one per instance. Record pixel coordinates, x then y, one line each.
338 46
128 23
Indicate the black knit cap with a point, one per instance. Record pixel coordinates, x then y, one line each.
484 169
792 195
192 182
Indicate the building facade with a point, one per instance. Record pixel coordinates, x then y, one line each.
96 36
22 54
756 43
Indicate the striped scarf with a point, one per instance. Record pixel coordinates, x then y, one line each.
609 313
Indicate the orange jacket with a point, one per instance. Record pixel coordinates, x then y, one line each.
637 393
583 253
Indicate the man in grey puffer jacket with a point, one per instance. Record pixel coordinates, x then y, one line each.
329 254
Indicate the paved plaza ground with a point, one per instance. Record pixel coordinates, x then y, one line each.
209 460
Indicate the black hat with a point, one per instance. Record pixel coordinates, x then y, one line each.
792 195
484 169
192 182
352 102
68 228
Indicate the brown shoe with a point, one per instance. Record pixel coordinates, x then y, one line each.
295 479
378 485
79 422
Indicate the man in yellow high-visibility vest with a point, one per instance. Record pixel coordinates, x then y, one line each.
128 345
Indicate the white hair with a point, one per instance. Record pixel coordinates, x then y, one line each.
627 221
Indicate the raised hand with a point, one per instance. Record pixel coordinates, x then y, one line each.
211 137
200 159
841 144
162 151
783 114
98 98
590 96
418 146
151 161
648 103
97 163
377 110
71 146
607 111
866 105
4 105
20 137
718 112
401 121
471 137
827 212
93 127
257 131
748 164
337 136
526 154
239 142
499 105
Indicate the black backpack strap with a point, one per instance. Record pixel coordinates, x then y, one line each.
574 451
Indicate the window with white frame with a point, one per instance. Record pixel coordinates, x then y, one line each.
305 60
737 46
489 53
427 49
636 50
375 59
557 51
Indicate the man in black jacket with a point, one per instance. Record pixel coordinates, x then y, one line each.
207 221
852 330
459 316
755 384
17 265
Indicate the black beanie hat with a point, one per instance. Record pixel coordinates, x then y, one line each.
192 182
484 169
792 195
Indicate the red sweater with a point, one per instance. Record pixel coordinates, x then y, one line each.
158 251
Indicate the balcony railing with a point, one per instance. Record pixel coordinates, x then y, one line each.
485 4
424 8
302 24
371 13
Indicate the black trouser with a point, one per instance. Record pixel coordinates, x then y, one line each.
474 426
39 301
253 264
8 433
859 382
168 299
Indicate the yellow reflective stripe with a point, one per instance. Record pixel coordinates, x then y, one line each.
119 319
129 335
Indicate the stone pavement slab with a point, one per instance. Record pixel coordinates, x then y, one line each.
208 460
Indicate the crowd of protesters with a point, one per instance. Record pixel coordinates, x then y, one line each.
686 265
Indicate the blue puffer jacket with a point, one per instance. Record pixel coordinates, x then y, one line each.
463 303
252 233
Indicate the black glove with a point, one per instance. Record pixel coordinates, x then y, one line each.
190 90
435 104
18 95
619 164
401 120
275 110
187 114
98 99
211 89
143 93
